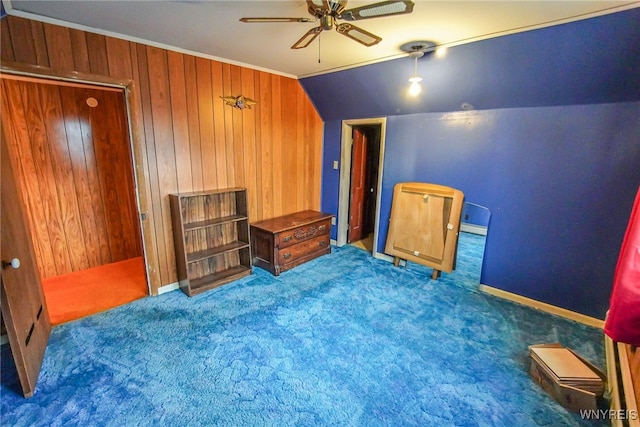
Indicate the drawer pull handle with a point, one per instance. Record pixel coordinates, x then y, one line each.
322 227
286 238
322 243
286 256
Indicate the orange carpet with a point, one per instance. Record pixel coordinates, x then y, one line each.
75 295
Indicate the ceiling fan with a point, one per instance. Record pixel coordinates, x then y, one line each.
328 11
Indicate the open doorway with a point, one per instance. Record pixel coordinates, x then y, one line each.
362 155
71 143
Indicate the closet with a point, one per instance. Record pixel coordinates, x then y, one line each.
72 147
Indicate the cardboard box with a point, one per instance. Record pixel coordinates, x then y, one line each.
570 397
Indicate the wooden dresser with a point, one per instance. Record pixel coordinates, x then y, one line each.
281 243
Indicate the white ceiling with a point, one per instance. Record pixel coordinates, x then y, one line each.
212 29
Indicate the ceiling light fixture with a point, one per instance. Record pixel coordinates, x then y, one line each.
415 79
416 50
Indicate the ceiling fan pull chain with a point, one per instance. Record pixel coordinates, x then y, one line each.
319 39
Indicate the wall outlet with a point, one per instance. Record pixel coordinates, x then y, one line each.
333 220
335 164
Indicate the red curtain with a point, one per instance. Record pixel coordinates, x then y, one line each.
623 320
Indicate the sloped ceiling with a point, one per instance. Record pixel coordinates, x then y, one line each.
590 61
212 28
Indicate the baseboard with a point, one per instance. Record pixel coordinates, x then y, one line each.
543 306
168 288
389 258
383 257
379 255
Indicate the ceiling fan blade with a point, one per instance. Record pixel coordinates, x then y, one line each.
358 34
307 38
259 20
376 10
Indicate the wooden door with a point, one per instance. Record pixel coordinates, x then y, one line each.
358 188
24 309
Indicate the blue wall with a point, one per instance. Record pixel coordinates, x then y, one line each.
585 62
552 147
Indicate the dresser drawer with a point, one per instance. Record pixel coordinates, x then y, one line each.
293 253
301 234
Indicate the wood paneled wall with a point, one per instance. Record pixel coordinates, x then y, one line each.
73 163
190 140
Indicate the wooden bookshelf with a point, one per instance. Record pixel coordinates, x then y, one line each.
211 234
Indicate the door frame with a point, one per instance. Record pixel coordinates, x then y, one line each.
345 179
135 129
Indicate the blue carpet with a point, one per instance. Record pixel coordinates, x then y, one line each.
343 340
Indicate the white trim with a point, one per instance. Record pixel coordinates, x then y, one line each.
543 306
168 288
345 178
389 258
346 140
8 7
383 257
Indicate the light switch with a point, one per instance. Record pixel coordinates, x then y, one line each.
335 164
